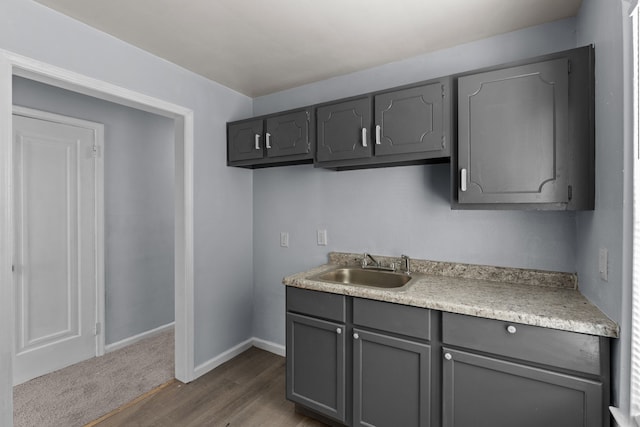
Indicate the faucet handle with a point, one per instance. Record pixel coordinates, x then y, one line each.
407 263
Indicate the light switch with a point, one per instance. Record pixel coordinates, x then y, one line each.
284 239
603 264
322 237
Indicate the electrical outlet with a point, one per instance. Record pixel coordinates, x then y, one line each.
603 264
322 237
284 239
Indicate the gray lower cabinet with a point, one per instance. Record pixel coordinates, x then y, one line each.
502 374
361 362
525 135
481 391
278 139
391 381
316 365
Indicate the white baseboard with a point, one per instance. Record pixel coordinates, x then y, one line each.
213 363
134 339
269 346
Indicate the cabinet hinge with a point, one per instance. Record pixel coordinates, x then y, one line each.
98 329
570 192
444 141
308 116
569 66
442 87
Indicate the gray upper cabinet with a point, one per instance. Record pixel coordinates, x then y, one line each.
245 141
523 135
399 127
344 130
410 121
279 139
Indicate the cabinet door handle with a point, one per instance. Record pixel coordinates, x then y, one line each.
257 140
511 329
268 139
448 356
463 179
378 131
338 331
364 137
356 336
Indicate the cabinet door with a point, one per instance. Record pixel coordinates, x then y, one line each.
288 134
343 130
480 391
244 140
390 381
409 121
316 365
513 135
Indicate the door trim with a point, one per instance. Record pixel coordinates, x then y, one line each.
98 131
13 64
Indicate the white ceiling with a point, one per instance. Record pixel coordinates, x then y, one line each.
262 46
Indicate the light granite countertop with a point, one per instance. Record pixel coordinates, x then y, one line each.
531 297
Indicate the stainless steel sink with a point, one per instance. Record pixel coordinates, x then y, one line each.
365 277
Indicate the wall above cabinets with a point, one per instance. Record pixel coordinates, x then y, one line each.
519 136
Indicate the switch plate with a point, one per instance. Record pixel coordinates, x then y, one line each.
284 239
322 237
603 264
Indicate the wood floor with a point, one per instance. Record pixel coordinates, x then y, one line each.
249 391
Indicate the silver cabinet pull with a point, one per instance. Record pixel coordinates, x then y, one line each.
511 329
356 336
378 129
463 179
448 356
268 140
338 331
257 139
364 137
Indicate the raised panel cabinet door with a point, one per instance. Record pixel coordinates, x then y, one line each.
343 130
288 134
480 391
316 365
391 381
409 121
245 140
513 134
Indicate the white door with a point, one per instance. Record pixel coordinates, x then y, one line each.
56 255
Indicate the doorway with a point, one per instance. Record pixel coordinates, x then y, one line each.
13 64
58 188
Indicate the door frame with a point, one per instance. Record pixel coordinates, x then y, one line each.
98 132
13 64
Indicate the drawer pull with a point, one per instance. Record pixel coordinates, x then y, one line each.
448 356
257 141
511 329
338 331
268 138
364 137
356 336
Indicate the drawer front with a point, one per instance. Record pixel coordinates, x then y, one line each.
562 349
390 317
318 304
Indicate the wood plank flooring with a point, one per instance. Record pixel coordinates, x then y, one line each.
247 391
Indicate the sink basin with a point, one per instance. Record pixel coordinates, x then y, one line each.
359 276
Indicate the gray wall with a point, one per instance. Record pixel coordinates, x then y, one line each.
222 196
602 23
139 208
396 210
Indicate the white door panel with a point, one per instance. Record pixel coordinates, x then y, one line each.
55 257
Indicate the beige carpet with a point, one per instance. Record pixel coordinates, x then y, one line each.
83 392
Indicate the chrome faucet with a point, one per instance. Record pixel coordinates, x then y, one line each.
365 263
407 263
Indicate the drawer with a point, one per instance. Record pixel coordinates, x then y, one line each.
390 317
562 349
318 304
